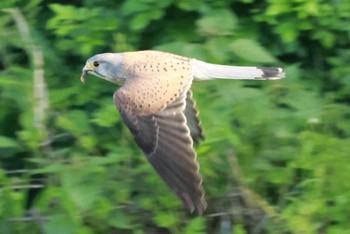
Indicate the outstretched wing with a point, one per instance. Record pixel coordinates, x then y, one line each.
166 140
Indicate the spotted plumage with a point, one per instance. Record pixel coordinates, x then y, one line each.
155 102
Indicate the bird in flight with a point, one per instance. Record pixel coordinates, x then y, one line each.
155 102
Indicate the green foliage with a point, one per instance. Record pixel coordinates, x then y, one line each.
291 137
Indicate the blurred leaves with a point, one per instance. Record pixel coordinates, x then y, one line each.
7 142
251 51
291 137
195 226
83 25
212 23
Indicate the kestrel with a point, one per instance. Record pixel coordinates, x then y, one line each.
155 102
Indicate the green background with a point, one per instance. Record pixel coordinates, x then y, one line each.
276 158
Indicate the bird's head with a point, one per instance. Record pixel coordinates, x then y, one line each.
107 66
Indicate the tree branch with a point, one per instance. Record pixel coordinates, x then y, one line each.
41 102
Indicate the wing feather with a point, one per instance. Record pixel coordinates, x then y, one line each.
193 122
166 140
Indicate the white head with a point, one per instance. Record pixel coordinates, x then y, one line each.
108 66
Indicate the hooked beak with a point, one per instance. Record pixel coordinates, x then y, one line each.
87 68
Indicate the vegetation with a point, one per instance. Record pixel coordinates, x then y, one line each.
276 158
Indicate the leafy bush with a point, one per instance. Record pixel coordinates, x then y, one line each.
276 154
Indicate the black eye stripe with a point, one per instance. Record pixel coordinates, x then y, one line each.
96 64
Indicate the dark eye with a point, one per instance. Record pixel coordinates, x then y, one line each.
96 64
